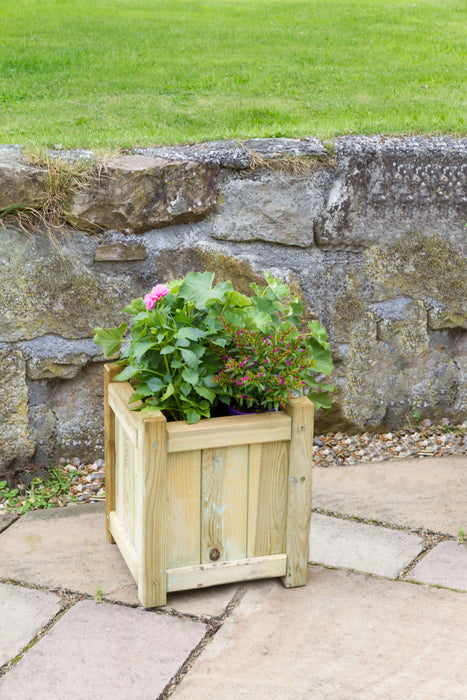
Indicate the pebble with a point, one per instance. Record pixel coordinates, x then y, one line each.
426 440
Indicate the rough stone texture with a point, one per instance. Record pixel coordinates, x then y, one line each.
66 548
5 520
417 493
98 650
389 187
351 545
379 262
21 182
23 612
271 208
138 193
445 565
66 417
15 440
48 291
239 154
342 636
120 252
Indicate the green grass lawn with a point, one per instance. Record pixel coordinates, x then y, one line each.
121 73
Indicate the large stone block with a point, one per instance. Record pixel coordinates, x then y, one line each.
423 267
67 418
274 207
15 441
137 193
21 182
404 322
387 187
43 290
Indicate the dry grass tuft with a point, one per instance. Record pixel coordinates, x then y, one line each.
294 165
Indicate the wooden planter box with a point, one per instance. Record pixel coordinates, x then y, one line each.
223 500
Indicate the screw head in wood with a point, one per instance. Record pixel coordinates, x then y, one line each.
214 554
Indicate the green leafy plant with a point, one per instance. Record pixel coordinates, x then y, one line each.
262 366
169 358
182 333
460 536
42 493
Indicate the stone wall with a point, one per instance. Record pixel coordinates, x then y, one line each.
370 232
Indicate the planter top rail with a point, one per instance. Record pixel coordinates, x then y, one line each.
226 431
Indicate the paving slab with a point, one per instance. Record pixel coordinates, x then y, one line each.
420 494
444 565
344 635
104 651
5 520
23 613
66 548
369 548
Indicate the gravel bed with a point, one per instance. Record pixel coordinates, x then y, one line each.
426 440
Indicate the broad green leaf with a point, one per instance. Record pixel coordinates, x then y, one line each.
236 299
190 376
190 358
219 293
141 393
141 347
235 318
197 288
192 416
319 333
167 350
182 343
191 333
256 320
127 373
168 392
185 388
135 307
155 384
176 364
321 356
320 400
110 339
205 392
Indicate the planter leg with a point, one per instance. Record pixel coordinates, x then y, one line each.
110 371
150 532
299 491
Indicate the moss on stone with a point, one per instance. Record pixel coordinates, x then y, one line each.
421 267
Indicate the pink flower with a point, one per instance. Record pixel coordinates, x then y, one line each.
157 292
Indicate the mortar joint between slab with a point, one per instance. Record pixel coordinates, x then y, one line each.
430 543
213 626
421 532
42 632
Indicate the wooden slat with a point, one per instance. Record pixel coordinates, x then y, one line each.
299 491
110 370
151 513
271 515
125 479
123 543
183 509
228 431
254 468
224 476
226 572
118 400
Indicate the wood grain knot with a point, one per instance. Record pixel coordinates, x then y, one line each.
214 554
